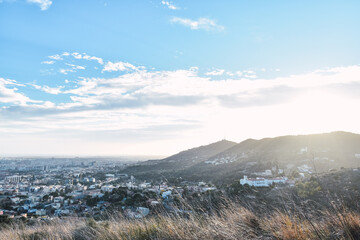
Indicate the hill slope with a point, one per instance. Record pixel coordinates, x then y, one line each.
226 161
182 160
341 146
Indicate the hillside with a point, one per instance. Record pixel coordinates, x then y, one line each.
181 160
225 161
340 146
342 143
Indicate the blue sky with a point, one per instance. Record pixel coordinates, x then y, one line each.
112 77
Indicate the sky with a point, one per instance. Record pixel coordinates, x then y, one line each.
154 77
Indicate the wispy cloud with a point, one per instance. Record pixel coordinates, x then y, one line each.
47 89
169 5
44 4
9 93
87 57
202 23
66 71
76 55
118 66
217 72
73 68
56 57
48 62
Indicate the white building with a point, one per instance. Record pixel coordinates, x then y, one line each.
205 189
58 199
131 185
268 172
262 182
35 199
303 150
34 189
13 179
107 188
166 194
144 185
40 212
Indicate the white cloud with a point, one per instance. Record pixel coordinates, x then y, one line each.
99 60
230 73
247 74
56 57
44 4
50 90
9 93
118 66
217 72
66 71
202 23
47 62
144 106
183 87
75 66
140 88
77 56
169 5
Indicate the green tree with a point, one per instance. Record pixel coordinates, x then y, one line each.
308 188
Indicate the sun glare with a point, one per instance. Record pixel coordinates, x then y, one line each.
317 111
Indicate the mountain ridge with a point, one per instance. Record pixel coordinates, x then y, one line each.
232 160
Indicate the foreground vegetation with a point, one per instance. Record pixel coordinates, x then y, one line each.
229 222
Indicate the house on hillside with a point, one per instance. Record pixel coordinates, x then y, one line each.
262 182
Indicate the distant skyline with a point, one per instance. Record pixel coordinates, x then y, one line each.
157 77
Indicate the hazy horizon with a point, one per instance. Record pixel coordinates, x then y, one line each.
144 156
110 78
125 157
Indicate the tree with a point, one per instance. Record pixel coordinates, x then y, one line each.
55 194
308 188
90 201
236 188
295 174
6 203
46 197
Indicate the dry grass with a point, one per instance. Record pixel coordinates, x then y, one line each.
234 222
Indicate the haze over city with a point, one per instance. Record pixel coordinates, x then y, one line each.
157 77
